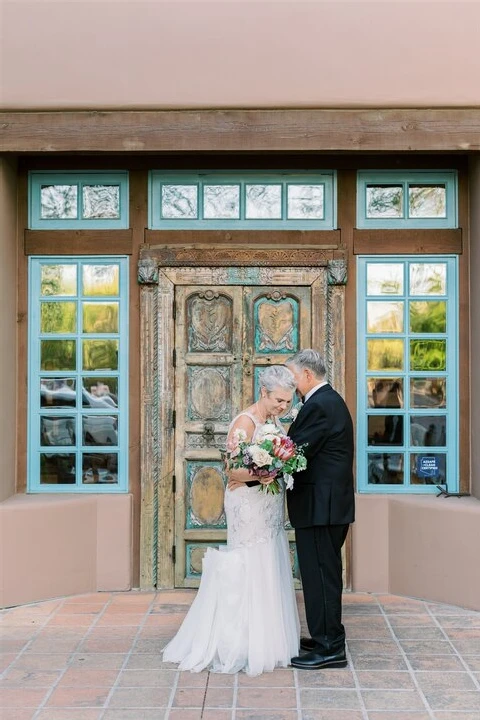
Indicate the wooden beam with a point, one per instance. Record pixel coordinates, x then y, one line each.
78 242
398 130
327 239
402 242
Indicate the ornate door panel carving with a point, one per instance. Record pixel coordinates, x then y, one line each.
224 336
277 323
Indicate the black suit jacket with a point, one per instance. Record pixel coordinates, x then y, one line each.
323 493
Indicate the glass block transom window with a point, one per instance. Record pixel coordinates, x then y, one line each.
78 374
249 200
414 199
407 432
78 200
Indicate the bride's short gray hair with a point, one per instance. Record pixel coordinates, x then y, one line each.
277 376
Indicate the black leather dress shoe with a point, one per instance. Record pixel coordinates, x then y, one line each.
307 644
314 661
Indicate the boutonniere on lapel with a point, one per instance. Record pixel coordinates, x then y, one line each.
295 410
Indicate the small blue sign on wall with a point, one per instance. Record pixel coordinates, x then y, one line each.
427 466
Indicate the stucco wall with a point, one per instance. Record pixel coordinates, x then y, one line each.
8 326
62 545
238 53
424 547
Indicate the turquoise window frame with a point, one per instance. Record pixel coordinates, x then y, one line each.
451 376
35 374
38 178
403 178
158 178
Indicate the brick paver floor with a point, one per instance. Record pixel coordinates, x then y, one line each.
97 657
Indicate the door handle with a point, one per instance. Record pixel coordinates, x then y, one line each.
208 433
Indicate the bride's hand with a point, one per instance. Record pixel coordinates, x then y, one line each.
234 484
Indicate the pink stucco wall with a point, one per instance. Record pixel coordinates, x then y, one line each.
238 53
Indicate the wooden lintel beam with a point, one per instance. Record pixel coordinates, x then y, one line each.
411 242
332 130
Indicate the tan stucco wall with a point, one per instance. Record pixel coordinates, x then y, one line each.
238 53
475 318
56 545
8 326
424 547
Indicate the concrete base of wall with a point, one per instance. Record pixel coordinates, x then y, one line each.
56 545
425 547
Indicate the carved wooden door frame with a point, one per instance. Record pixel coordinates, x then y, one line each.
160 269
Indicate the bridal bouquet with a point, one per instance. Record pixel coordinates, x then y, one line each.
270 455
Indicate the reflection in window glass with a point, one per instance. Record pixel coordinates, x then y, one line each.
100 354
428 316
427 201
385 429
385 279
58 202
100 317
57 392
384 317
305 202
57 355
428 355
428 279
385 469
384 355
263 202
384 201
385 392
428 430
57 430
100 279
179 201
58 317
428 392
57 468
99 468
101 201
428 469
100 392
221 202
58 280
99 430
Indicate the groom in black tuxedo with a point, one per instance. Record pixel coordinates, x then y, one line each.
321 507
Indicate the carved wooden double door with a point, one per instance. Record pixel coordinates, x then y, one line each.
224 337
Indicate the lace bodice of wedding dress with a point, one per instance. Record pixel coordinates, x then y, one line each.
253 516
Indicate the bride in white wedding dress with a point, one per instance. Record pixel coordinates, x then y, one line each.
244 616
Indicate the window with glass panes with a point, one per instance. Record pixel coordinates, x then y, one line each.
417 199
407 432
242 200
73 200
78 374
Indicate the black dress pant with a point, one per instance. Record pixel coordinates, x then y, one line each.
319 550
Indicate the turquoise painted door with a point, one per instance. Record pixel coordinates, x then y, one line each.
225 335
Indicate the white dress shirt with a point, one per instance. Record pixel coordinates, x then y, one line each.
314 389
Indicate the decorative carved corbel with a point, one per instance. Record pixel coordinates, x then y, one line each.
147 272
337 272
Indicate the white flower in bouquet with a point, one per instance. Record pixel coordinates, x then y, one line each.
260 456
295 410
268 431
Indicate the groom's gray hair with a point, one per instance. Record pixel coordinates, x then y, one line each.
310 359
